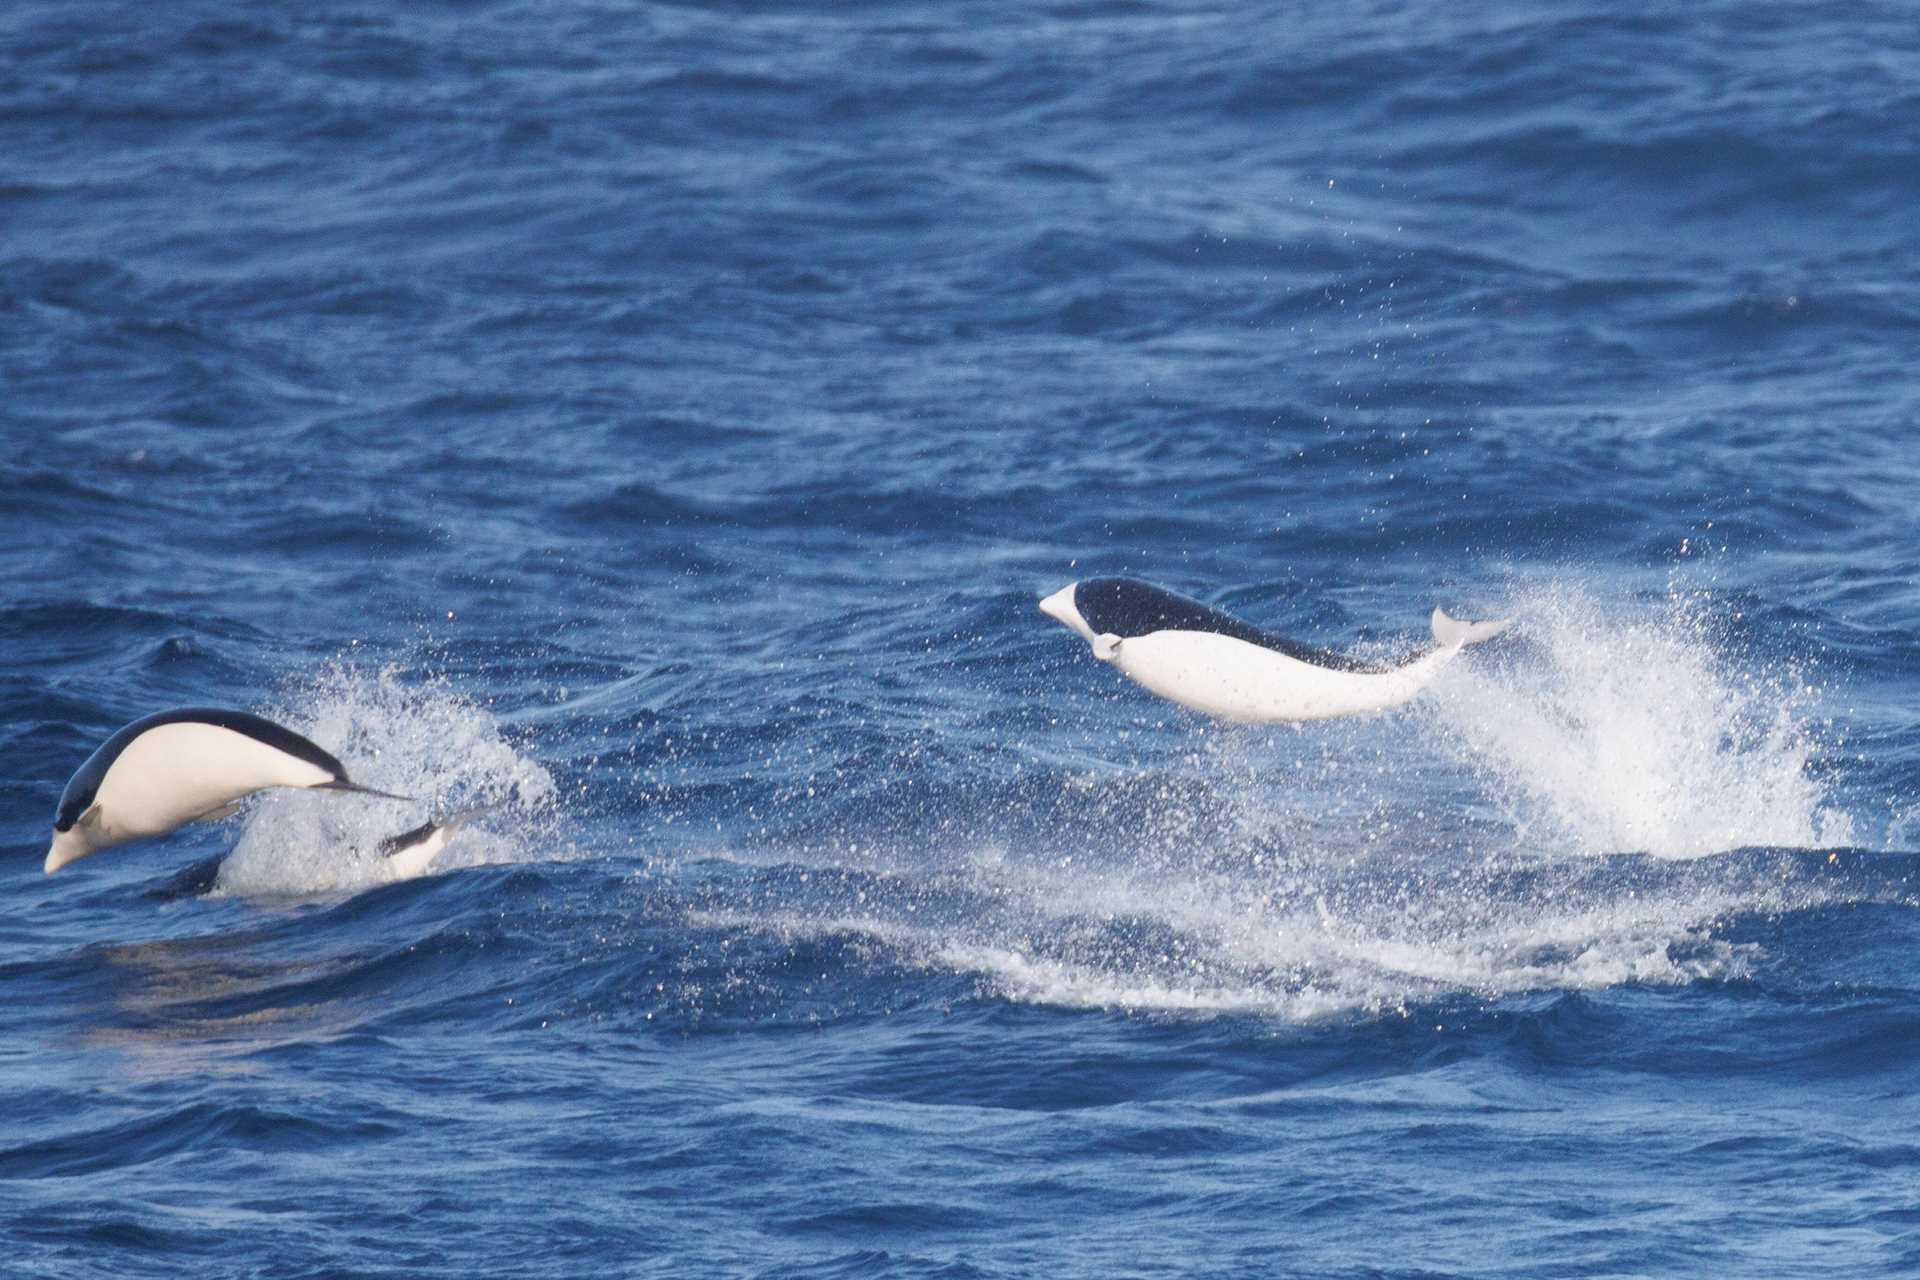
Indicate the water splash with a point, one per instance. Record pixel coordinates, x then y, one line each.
419 739
1643 735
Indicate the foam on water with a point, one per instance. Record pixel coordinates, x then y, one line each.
419 739
1300 942
1292 943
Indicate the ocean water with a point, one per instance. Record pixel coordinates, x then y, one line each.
659 421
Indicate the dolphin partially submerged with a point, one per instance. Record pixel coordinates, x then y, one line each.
188 765
1215 663
410 853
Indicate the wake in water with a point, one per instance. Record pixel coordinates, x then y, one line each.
1539 822
414 739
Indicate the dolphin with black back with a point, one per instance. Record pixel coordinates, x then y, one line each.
193 764
1213 662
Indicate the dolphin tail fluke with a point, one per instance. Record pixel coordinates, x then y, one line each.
1456 633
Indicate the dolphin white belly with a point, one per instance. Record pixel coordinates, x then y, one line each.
1235 680
177 773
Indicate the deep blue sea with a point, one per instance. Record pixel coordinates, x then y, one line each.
659 421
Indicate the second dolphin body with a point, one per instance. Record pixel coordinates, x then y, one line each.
1213 662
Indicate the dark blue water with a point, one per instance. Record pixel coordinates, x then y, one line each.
660 420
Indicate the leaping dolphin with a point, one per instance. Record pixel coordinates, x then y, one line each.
175 767
1213 662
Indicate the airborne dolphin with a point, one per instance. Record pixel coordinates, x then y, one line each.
175 767
1211 661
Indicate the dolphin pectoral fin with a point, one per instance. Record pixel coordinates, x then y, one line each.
341 784
1106 646
1457 633
90 818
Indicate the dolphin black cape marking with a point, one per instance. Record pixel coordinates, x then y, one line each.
85 784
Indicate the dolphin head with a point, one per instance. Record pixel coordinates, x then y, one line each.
1060 607
1063 607
76 837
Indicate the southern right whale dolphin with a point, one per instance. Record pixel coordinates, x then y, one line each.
187 765
1213 662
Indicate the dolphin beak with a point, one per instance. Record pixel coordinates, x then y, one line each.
68 846
1060 607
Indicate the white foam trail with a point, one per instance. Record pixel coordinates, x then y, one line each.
1300 943
1295 940
1640 735
420 740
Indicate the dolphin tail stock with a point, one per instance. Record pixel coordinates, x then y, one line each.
1457 633
341 784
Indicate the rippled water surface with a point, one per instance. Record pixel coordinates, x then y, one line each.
656 424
